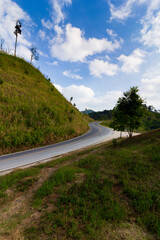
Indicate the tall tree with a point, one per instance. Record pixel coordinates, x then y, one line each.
128 112
16 32
34 54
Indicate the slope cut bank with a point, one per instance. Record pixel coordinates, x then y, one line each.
32 111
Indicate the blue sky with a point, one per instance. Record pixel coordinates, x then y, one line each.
94 50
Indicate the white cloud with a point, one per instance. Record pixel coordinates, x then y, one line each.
111 32
124 11
55 63
72 75
42 53
150 89
59 38
74 47
99 67
84 97
58 5
9 13
150 33
151 30
132 63
47 24
42 34
24 52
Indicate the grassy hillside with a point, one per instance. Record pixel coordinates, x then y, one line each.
104 193
32 111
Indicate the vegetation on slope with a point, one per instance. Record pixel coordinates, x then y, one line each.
149 122
104 193
32 111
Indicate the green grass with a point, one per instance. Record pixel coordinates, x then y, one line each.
82 208
62 176
10 180
106 189
33 112
23 179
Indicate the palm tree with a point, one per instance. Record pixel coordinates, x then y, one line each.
16 32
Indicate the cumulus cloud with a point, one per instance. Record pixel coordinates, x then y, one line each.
151 30
9 13
24 52
99 67
72 75
150 89
84 97
74 47
132 63
57 5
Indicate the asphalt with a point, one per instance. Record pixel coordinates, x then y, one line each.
95 135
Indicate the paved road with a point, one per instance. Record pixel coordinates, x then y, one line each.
95 135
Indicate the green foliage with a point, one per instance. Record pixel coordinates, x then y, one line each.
114 141
152 120
128 112
33 112
101 115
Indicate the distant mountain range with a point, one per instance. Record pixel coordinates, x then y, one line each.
88 111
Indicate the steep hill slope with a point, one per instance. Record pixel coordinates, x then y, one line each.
32 111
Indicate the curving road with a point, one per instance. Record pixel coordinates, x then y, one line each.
95 135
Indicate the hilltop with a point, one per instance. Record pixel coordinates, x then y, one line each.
32 111
104 193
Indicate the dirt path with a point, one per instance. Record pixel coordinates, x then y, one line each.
18 212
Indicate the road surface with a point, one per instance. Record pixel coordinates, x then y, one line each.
95 135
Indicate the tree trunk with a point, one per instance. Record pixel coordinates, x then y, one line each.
15 46
31 59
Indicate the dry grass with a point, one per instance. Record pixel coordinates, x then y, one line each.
32 111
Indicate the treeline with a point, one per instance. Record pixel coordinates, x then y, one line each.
150 122
104 115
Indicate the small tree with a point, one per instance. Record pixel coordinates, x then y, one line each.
34 54
16 32
128 112
71 99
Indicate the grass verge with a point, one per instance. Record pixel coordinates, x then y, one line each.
111 192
